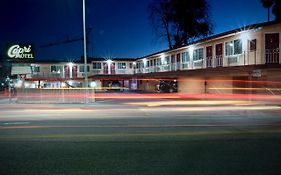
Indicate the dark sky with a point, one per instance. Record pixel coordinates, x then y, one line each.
121 28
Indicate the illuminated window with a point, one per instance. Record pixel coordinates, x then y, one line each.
253 45
166 60
185 57
233 47
121 65
56 69
96 65
81 68
158 61
198 54
35 69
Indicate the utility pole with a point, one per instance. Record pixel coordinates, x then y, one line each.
85 51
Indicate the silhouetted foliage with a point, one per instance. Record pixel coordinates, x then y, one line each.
180 21
276 8
160 19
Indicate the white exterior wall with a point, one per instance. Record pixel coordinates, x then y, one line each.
219 86
191 85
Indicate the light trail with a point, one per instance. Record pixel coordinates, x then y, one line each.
194 103
247 89
136 126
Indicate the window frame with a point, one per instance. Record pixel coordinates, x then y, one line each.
199 54
60 70
82 66
235 49
123 66
97 67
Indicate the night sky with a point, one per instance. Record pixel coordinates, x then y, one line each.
121 28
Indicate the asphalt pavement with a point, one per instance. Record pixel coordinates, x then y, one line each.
158 136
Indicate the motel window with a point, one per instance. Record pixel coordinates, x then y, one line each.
121 65
56 69
253 45
185 57
96 65
166 60
142 64
178 57
81 68
158 61
130 65
198 54
151 63
233 47
35 69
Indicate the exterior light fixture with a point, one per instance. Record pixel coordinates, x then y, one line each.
109 61
244 36
70 64
93 84
144 60
191 49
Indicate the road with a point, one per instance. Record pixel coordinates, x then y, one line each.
141 137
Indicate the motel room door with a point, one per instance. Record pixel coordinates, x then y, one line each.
112 68
219 56
173 61
272 48
209 56
66 72
105 68
74 72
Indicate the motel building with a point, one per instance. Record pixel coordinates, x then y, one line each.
244 60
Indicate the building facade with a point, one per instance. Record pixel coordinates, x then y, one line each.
212 65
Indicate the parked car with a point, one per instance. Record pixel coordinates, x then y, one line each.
168 87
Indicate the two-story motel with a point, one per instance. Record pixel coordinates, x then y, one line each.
225 63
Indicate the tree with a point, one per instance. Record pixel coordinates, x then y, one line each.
160 19
276 8
267 4
181 21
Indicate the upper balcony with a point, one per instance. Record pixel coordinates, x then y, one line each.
243 59
174 62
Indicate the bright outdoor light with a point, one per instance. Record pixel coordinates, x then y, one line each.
144 60
245 36
70 64
93 84
63 84
191 49
109 61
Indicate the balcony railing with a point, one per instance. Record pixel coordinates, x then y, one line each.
47 75
272 56
245 58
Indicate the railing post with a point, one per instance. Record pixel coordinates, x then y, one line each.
244 56
255 57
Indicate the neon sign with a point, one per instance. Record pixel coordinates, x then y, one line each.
20 52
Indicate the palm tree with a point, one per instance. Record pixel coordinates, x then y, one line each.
267 4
